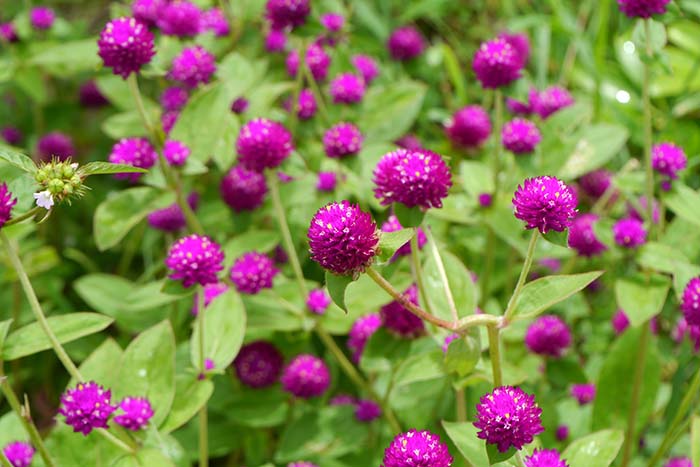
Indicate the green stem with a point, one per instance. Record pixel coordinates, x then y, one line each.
478 320
31 213
203 422
648 129
485 278
498 125
203 438
441 271
461 405
418 273
519 459
638 378
316 91
200 328
494 334
529 256
133 83
5 462
118 442
298 85
36 308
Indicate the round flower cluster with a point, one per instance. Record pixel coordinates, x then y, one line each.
135 413
366 67
195 260
8 32
175 152
147 11
243 189
620 322
392 224
306 376
287 13
582 237
679 462
137 152
545 203
179 18
326 181
90 95
643 8
239 105
306 106
520 42
545 458
520 136
362 329
469 127
86 407
690 302
417 448
317 60
397 319
215 21
318 301
193 66
548 335
19 453
549 101
125 45
263 144
42 17
11 135
211 291
497 63
341 140
55 145
258 364
594 184
668 159
333 22
253 272
174 98
629 233
405 43
7 202
275 41
583 393
347 88
171 218
367 410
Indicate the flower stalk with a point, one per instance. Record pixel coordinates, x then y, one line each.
529 257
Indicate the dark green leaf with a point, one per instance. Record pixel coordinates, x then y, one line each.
259 407
496 456
68 57
542 293
101 168
389 112
176 289
102 363
389 242
421 367
462 355
661 257
336 286
461 285
17 159
595 450
557 238
408 217
190 395
4 329
464 436
596 146
225 325
684 202
642 297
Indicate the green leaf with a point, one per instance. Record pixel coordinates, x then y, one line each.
462 355
336 286
31 339
661 257
101 168
145 456
4 329
408 217
177 289
453 68
595 450
496 456
596 146
464 436
389 112
557 238
259 408
68 57
17 159
148 369
389 242
657 35
100 365
118 214
124 125
695 440
421 367
542 293
684 202
225 324
642 297
190 395
461 285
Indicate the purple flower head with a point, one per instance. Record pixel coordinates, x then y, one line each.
175 152
582 237
284 13
8 32
211 291
125 45
90 95
168 120
550 100
275 41
413 178
594 184
517 107
690 302
366 66
136 412
306 376
521 43
317 60
410 142
243 189
86 407
171 218
194 66
147 11
497 63
399 320
341 140
7 202
180 18
668 159
253 272
19 453
239 105
12 135
306 105
629 233
326 181
643 8
342 238
362 329
583 393
333 22
562 432
392 224
367 410
133 151
42 17
448 340
469 127
679 462
620 322
342 399
55 145
485 200
545 203
195 259
318 301
634 214
215 21
545 458
417 448
507 417
301 464
258 364
548 335
263 144
347 88
174 98
520 136
405 43
280 256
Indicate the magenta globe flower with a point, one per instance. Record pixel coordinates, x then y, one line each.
147 11
485 200
594 184
12 135
137 152
643 8
317 60
342 238
629 233
215 21
287 13
521 43
239 105
367 410
56 145
620 322
195 260
168 120
90 95
318 301
306 106
517 107
583 393
174 98
392 224
401 322
366 66
668 159
332 22
8 32
507 417
301 464
180 18
342 140
362 329
275 41
171 218
679 462
86 407
469 127
550 100
263 144
582 237
417 448
562 433
545 203
243 189
655 211
327 181
690 302
497 63
194 66
135 414
175 152
258 364
211 291
253 272
405 43
413 178
19 453
42 17
520 136
347 88
545 458
7 202
306 376
125 45
549 336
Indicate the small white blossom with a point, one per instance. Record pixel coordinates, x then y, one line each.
74 166
44 199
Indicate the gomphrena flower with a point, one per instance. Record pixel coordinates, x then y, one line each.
342 238
301 464
133 151
239 105
347 88
211 291
405 43
318 301
258 364
620 322
90 95
215 21
362 329
655 211
55 145
263 144
195 259
12 135
507 417
306 376
629 233
520 42
168 120
42 17
413 178
366 66
549 101
520 136
679 462
583 393
171 218
399 320
174 98
147 11
594 184
342 399
19 453
562 432
497 63
286 13
86 407
7 202
548 335
392 224
517 107
180 18
306 106
690 302
668 159
582 237
243 189
253 272
643 8
341 140
545 203
275 41
367 410
485 200
469 127
135 413
333 22
317 60
194 66
417 448
327 181
8 32
125 45
545 458
175 152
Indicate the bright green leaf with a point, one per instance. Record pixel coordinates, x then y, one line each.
695 440
642 296
336 286
190 395
595 450
408 217
100 365
464 436
389 242
684 202
462 355
225 325
542 293
389 112
101 168
17 159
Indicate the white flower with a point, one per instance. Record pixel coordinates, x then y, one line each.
44 199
